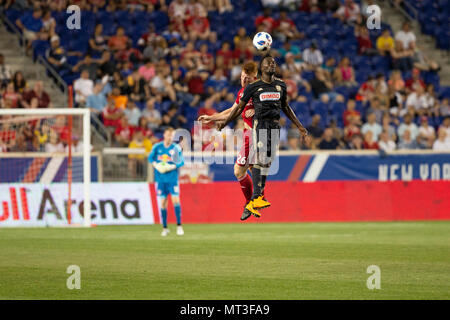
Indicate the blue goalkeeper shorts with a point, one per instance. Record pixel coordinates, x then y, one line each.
163 189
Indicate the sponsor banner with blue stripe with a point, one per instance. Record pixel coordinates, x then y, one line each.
323 166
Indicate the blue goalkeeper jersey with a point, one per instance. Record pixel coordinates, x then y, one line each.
170 155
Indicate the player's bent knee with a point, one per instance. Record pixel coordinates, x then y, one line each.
175 199
239 171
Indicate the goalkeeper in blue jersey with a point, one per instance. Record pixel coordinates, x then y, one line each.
166 158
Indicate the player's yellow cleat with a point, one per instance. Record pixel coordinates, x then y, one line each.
260 203
250 208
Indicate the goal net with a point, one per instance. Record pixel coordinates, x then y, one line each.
45 167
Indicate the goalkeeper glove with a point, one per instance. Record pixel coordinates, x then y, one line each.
160 167
170 167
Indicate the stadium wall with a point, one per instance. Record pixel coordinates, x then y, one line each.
309 187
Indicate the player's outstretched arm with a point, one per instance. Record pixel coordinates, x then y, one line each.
291 116
221 116
235 112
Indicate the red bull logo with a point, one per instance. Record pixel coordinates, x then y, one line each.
15 205
165 158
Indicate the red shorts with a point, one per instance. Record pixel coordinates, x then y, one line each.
244 154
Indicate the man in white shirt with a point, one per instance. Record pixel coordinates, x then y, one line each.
386 143
446 127
406 36
83 87
313 56
372 125
408 125
441 143
418 99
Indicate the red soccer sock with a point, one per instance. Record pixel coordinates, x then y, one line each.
246 187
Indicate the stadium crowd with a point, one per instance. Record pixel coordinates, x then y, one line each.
138 81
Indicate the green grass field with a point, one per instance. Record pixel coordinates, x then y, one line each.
233 261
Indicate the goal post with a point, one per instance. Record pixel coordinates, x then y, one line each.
12 121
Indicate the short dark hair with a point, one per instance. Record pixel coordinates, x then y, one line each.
266 56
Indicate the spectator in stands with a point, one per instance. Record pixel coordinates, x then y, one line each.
227 54
99 42
11 97
173 118
372 125
118 41
54 144
48 25
442 143
111 115
136 162
406 141
385 43
423 63
329 142
123 133
444 108
120 100
316 129
446 127
288 47
345 74
369 142
152 115
38 92
147 70
89 64
426 135
409 126
377 108
406 37
208 109
356 142
136 87
156 50
132 113
414 82
312 56
96 101
57 55
386 143
388 127
352 128
285 28
31 25
195 81
295 69
20 84
161 84
177 8
265 22
402 58
147 133
324 89
197 26
107 64
348 12
5 72
367 90
365 45
350 112
83 88
418 100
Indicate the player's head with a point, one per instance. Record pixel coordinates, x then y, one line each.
168 135
267 65
249 73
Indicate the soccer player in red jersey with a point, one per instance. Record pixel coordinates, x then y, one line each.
248 75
